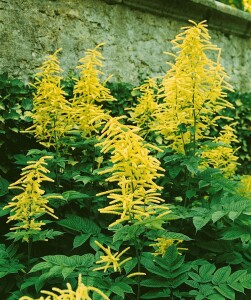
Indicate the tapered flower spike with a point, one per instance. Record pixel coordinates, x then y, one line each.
223 156
142 113
31 203
245 186
111 261
192 90
134 170
247 5
162 244
88 88
51 111
88 91
82 293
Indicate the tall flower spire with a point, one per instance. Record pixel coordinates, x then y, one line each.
192 90
134 170
31 203
51 110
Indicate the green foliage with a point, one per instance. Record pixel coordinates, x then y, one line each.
211 283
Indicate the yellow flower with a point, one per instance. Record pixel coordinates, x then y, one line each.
162 244
247 5
82 293
88 91
51 111
111 260
223 156
142 113
31 203
88 88
191 91
245 186
134 170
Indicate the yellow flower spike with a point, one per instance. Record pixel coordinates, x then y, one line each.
88 91
245 186
88 88
162 244
111 260
142 113
51 111
82 293
191 91
222 157
31 203
134 170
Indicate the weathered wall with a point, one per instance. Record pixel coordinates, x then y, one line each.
135 40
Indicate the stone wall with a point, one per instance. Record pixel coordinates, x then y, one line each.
136 33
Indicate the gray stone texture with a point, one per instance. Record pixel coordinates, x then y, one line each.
135 37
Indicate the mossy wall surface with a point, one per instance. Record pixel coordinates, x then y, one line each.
135 39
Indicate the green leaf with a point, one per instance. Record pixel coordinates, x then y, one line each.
234 214
4 184
206 271
79 240
217 215
190 194
225 291
221 275
200 222
246 281
80 224
156 294
155 283
67 271
40 266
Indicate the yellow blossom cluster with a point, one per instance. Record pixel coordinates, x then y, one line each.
82 293
55 117
247 5
31 203
51 110
88 91
191 90
245 186
190 100
134 169
162 244
111 260
142 114
223 156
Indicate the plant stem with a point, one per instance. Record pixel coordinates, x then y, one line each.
29 251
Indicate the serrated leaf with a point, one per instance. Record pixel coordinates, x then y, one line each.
129 265
221 275
80 224
225 291
234 214
200 222
206 271
236 286
238 275
155 283
55 271
216 216
79 240
190 194
193 283
156 294
40 266
246 281
194 276
216 297
67 271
